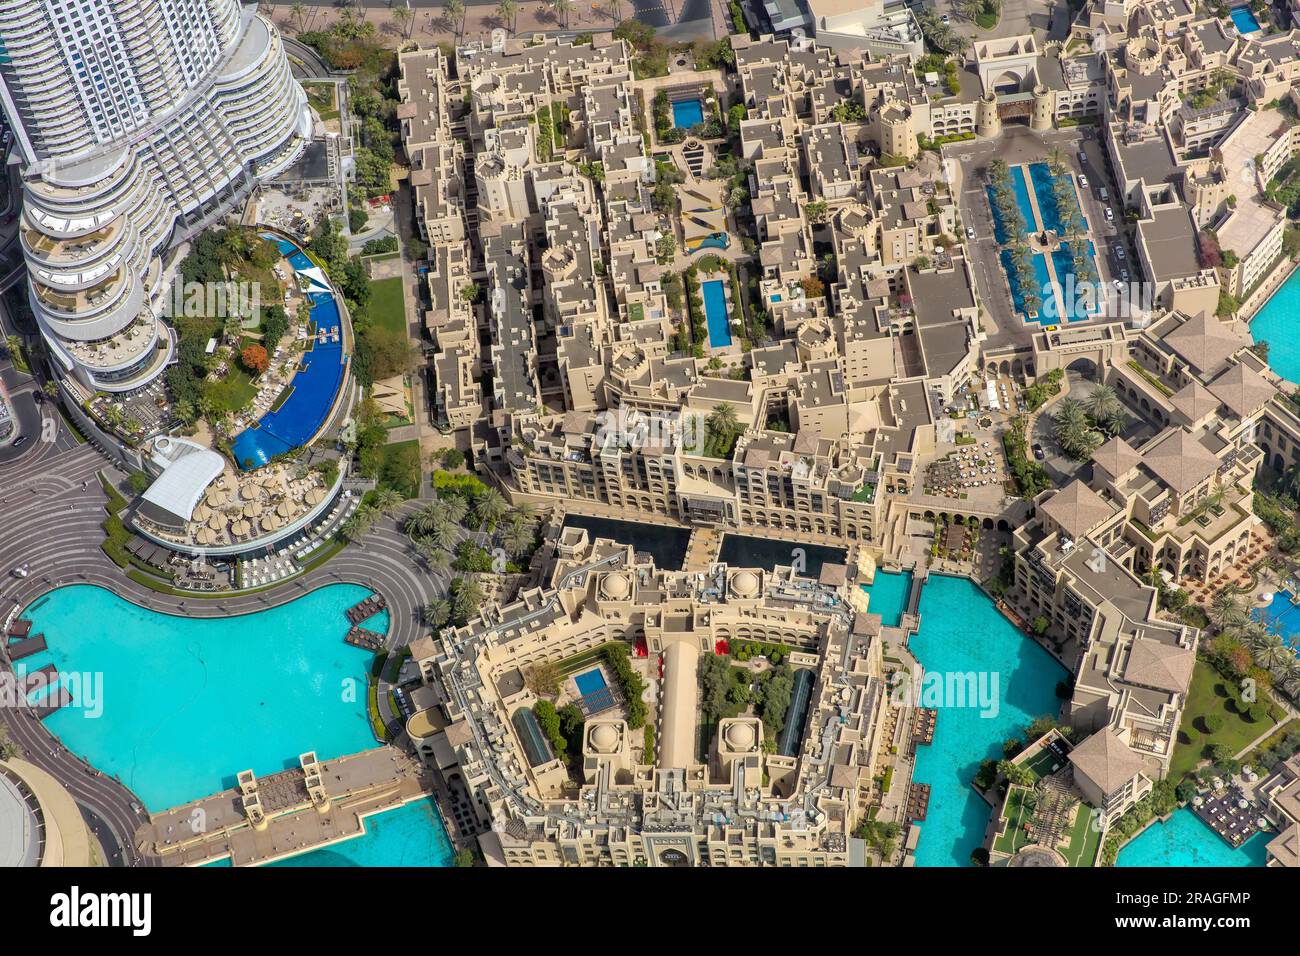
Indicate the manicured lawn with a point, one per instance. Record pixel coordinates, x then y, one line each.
1211 693
388 304
321 96
232 392
401 467
1017 814
1085 839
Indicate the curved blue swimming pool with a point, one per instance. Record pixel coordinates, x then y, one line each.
175 707
315 385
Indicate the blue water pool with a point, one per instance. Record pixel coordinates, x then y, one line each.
1244 20
590 682
1020 186
688 113
889 593
1081 300
1283 614
1041 277
1041 176
962 632
1184 840
315 385
716 240
1276 324
189 703
715 313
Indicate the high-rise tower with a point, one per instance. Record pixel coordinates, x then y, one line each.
139 122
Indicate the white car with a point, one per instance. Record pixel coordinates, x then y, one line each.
1083 181
1110 216
21 571
970 232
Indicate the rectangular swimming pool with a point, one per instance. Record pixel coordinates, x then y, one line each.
1244 20
688 113
590 682
715 313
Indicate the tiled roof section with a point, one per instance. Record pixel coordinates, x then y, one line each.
1204 341
1243 390
1194 401
1162 666
1117 456
1106 760
1077 509
1180 461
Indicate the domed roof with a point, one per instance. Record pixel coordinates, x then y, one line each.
745 583
740 736
615 586
604 738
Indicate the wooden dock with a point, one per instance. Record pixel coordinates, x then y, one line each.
367 608
918 801
27 647
364 639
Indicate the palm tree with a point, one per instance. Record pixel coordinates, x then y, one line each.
1106 409
616 10
454 507
404 16
361 521
437 614
421 521
488 507
1072 430
466 596
298 11
562 10
1226 611
506 10
8 749
443 534
517 537
387 500
455 11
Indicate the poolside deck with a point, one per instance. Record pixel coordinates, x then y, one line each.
27 647
215 827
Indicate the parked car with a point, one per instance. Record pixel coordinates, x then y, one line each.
1083 157
1123 274
1038 451
1119 253
1110 215
970 232
1083 181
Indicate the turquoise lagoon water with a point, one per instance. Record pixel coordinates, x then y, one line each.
189 703
889 593
1277 324
961 631
1183 840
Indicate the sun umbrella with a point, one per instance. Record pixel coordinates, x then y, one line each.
252 509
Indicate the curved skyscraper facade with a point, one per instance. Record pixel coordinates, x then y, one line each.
139 122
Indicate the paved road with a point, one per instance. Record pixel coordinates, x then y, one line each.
51 506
